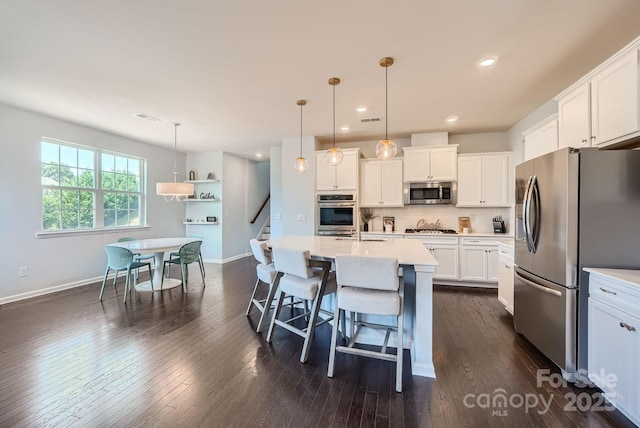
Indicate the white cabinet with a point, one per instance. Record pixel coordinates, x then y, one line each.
381 183
479 258
574 118
505 276
614 337
483 180
434 163
603 108
541 138
344 176
445 250
615 110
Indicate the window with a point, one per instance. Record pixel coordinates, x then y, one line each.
87 188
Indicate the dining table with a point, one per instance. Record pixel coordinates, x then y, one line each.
158 247
418 266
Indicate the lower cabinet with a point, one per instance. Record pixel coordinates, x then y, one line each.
479 263
445 250
505 276
614 340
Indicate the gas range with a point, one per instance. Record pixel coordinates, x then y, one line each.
432 231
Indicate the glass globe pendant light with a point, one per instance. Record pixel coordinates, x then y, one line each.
386 149
301 164
334 155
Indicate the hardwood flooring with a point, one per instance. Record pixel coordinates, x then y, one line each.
172 360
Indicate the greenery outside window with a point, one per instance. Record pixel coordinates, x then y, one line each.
87 188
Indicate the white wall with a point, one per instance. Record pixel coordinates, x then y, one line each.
481 142
298 189
63 262
276 192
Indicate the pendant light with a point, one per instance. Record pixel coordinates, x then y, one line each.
386 149
334 155
174 191
301 163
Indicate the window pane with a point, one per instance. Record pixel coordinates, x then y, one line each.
122 201
134 167
108 162
122 217
109 201
69 219
86 219
85 159
68 156
50 175
121 182
121 164
108 180
134 202
86 201
86 178
50 199
68 176
70 200
49 153
133 183
134 218
109 218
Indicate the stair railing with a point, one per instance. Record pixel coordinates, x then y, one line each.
264 204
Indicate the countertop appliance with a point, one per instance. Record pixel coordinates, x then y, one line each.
337 214
430 193
574 209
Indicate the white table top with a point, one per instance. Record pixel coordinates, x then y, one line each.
154 245
408 251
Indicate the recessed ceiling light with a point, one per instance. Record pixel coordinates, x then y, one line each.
487 62
452 119
344 128
258 155
361 109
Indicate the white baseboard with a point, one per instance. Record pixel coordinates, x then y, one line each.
227 260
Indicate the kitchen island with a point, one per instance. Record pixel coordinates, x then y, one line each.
418 265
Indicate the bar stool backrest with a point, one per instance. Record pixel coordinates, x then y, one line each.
293 262
259 249
379 273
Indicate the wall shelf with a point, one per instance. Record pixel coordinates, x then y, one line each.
202 181
202 200
203 223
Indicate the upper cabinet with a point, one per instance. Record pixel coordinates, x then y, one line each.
381 183
541 138
483 180
603 108
432 163
341 177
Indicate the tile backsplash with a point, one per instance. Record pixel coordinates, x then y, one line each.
408 217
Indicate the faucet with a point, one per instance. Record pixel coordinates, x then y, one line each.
420 223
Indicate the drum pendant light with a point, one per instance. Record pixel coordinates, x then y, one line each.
301 164
334 155
386 149
174 191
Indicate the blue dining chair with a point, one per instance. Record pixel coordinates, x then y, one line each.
174 254
188 253
118 259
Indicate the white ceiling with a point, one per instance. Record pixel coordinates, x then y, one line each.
231 71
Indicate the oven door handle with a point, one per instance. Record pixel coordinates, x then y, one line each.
538 286
331 205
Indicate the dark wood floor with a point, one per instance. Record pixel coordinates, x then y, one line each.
195 360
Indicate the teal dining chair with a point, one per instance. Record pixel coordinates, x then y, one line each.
188 253
137 256
118 259
175 254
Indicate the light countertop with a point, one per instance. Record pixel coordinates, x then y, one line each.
474 234
627 276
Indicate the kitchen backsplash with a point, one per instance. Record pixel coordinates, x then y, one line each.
408 217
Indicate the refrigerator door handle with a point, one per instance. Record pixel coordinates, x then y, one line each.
526 214
535 229
538 286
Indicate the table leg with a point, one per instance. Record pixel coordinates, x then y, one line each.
158 260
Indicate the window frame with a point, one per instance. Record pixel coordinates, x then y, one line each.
97 190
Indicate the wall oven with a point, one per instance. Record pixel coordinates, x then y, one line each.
429 193
337 214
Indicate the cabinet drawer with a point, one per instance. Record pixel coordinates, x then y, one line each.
614 294
490 242
453 240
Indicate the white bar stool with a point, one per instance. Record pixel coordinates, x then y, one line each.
369 285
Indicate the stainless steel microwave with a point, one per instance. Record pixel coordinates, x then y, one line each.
430 193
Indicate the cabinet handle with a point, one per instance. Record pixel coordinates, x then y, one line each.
604 290
584 140
593 137
508 267
627 326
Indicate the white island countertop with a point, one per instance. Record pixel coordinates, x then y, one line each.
418 310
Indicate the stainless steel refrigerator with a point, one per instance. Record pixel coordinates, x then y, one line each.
574 209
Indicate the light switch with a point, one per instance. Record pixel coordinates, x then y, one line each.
276 216
301 217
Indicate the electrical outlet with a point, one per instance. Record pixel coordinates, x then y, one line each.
276 216
301 217
23 271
